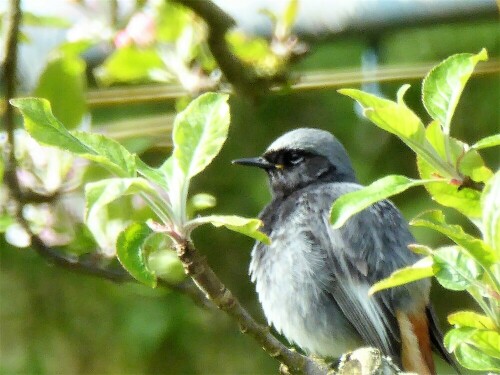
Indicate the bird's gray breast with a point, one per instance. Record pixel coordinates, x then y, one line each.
292 279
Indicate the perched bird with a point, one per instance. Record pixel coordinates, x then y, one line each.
313 280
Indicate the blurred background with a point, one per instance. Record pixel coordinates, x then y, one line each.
123 68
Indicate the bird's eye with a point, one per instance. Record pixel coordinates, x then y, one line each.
294 158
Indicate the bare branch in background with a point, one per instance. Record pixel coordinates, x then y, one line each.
241 76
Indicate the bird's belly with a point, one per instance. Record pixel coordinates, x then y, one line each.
295 303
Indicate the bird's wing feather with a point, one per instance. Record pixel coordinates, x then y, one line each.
368 248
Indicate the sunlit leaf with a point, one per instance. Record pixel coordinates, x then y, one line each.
455 269
248 227
490 202
398 119
108 152
466 200
152 174
419 270
62 83
200 131
478 250
349 204
31 19
130 65
471 319
290 13
472 347
443 86
129 250
166 265
199 202
46 129
170 21
491 141
101 193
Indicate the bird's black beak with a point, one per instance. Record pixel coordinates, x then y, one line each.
258 162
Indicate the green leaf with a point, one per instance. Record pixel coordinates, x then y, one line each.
99 194
166 265
471 319
349 204
455 269
490 202
443 86
199 202
152 174
31 19
473 347
290 13
63 84
248 227
200 131
108 152
419 270
491 141
477 249
129 65
46 129
170 21
129 250
398 119
466 201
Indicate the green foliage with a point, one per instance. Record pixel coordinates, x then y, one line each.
129 64
129 252
62 83
350 204
198 136
455 176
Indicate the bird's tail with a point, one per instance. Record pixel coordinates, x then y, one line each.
437 339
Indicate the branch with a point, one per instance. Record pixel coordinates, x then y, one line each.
197 267
239 74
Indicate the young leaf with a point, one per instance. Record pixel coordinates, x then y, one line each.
108 152
248 227
129 250
398 119
443 86
471 319
455 269
477 249
473 347
349 204
466 201
152 174
46 129
490 202
200 131
101 193
491 141
417 271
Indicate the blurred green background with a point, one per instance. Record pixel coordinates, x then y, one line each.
53 321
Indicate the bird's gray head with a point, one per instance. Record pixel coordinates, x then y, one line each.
302 157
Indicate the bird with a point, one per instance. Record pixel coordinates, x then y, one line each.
312 280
